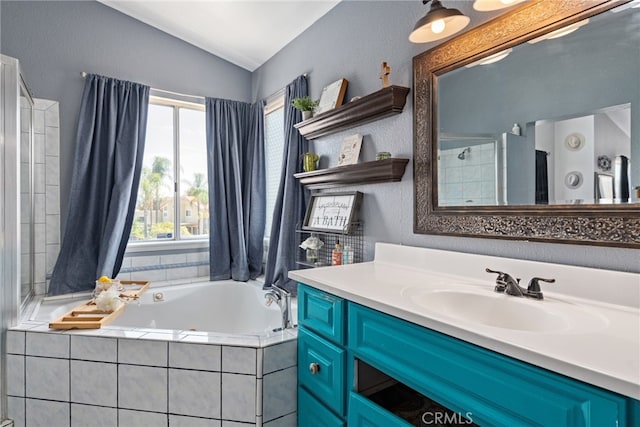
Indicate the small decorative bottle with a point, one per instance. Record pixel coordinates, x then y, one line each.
312 255
347 255
336 254
515 129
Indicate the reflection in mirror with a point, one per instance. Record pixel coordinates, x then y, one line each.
468 168
545 122
597 144
555 162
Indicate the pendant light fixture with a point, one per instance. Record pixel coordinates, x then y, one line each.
438 23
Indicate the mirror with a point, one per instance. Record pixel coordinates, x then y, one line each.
523 136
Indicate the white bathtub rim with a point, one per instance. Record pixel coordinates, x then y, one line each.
29 323
192 337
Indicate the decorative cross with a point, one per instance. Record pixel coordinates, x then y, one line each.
384 74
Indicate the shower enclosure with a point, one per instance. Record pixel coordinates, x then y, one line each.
16 215
26 194
469 170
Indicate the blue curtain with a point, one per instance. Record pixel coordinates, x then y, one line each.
104 183
237 201
292 197
542 178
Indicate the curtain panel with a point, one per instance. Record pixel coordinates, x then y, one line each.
237 194
542 178
292 197
104 183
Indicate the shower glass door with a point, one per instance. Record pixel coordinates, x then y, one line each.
26 194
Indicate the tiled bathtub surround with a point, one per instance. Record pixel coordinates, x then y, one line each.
468 181
46 186
116 376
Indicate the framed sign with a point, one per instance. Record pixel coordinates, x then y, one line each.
332 96
333 212
350 150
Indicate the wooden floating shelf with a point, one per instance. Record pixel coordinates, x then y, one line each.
388 170
380 104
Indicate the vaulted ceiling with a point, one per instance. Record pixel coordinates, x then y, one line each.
246 33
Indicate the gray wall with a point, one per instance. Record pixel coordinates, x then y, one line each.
55 41
351 41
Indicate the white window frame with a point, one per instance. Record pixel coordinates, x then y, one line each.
274 103
176 101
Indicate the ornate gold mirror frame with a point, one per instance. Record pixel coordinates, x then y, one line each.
604 225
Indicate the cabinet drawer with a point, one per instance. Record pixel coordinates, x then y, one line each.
313 413
492 388
321 370
322 312
364 413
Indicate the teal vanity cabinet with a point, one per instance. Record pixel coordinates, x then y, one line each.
490 388
322 358
340 343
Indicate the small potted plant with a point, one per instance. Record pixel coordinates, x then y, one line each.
306 105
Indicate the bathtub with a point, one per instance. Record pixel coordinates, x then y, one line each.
185 354
224 307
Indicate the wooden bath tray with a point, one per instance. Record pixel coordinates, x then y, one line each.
133 289
87 315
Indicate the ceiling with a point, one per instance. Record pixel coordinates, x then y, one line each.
245 33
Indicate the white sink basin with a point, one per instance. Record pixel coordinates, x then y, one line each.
489 308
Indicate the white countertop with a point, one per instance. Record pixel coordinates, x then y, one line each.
606 354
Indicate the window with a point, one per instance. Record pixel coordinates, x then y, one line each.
173 183
274 150
194 188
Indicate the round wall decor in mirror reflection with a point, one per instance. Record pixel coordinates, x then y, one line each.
573 179
574 141
604 163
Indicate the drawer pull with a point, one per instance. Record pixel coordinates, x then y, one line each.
314 368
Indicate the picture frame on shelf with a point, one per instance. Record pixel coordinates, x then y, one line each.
332 96
603 188
350 151
333 212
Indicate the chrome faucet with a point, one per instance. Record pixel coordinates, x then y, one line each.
510 286
282 297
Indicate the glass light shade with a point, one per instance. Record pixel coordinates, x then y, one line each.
430 27
489 5
633 4
491 58
560 32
